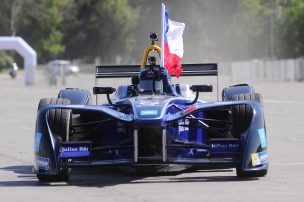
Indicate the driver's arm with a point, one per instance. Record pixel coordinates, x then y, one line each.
166 78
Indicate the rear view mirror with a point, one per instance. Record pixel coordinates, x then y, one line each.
198 89
135 80
201 88
103 90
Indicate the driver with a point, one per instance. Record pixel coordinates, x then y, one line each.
158 77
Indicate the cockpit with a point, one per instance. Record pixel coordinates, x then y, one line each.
149 86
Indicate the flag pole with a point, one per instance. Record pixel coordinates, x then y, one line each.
163 8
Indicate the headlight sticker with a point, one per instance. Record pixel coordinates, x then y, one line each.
259 158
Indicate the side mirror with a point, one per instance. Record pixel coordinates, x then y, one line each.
135 80
197 89
103 90
201 88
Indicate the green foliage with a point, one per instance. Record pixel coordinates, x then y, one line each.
42 26
52 42
73 29
251 29
5 17
5 60
216 30
100 29
291 35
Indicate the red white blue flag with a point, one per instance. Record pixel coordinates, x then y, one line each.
172 49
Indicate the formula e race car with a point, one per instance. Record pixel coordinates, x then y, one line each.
151 123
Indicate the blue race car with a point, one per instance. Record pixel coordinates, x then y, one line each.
151 123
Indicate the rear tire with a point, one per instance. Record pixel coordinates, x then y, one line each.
241 118
229 92
77 96
59 121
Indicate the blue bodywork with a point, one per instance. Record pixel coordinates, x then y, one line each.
47 145
152 130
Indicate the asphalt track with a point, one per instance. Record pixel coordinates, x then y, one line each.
284 111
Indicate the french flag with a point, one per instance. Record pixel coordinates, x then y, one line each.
172 48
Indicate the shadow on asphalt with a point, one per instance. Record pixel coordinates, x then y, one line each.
103 177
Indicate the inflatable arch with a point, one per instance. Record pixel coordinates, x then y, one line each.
27 52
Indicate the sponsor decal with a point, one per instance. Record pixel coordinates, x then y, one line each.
181 113
42 163
189 110
74 150
225 146
259 158
262 134
37 141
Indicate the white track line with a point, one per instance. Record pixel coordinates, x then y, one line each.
287 164
264 100
28 128
282 101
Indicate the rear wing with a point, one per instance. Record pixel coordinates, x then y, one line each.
125 71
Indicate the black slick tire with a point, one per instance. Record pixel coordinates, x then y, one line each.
59 120
242 114
256 173
241 118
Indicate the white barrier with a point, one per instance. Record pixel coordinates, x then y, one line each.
264 70
27 52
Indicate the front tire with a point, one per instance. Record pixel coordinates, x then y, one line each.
256 173
59 120
64 175
242 114
241 119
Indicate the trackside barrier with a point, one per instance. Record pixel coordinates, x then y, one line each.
264 70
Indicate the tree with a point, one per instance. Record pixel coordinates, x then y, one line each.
99 29
5 60
216 30
5 17
291 25
41 26
251 29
